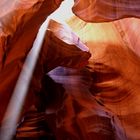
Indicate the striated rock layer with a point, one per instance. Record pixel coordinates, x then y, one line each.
106 10
100 101
115 69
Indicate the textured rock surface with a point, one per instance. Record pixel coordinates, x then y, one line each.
115 66
17 39
100 101
81 116
19 26
106 10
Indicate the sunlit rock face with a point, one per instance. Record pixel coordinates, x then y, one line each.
128 29
114 67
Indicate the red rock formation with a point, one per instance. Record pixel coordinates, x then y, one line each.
66 54
102 10
114 67
100 101
20 22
